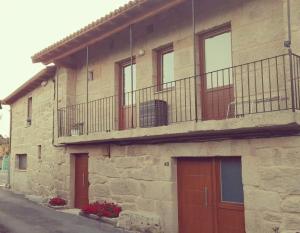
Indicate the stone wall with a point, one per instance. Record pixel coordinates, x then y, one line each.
43 176
142 178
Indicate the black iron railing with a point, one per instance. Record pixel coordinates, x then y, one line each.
266 85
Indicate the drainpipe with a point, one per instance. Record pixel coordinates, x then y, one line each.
87 90
194 61
288 44
53 111
55 106
131 67
10 139
56 96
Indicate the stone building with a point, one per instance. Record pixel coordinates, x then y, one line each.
184 112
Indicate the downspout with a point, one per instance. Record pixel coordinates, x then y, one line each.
87 90
131 67
55 105
194 61
53 114
288 44
57 117
10 137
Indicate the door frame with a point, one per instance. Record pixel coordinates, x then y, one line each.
216 188
73 157
215 31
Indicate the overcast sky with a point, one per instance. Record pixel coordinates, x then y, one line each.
31 25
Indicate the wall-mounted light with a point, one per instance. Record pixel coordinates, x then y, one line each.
141 52
44 83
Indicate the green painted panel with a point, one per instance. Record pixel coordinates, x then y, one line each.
5 162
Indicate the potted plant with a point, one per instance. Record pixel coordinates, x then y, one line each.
57 203
104 211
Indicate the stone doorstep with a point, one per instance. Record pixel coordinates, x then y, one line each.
111 221
58 207
69 211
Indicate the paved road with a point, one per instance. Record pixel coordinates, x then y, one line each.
18 215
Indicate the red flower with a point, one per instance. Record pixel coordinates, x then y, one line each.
57 201
105 209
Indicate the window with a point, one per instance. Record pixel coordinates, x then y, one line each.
39 152
29 111
90 76
165 67
231 180
217 58
21 161
128 83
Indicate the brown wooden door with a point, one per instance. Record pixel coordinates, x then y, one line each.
81 181
195 204
203 205
217 79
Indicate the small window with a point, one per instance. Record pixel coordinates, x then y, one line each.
21 161
90 75
231 180
39 152
165 67
29 111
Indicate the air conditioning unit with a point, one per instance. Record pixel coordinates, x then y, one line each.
77 129
153 113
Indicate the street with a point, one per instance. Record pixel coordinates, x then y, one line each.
18 215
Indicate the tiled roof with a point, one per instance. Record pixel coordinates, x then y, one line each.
103 26
31 84
92 26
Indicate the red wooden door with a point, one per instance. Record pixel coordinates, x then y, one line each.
210 195
81 181
127 95
217 74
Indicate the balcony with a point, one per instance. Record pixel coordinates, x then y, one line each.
253 97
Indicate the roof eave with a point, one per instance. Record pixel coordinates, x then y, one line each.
30 85
85 37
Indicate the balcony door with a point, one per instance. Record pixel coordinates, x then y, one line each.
127 96
216 79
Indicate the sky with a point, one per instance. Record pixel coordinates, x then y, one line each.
26 27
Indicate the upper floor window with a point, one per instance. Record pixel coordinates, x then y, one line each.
128 82
165 67
91 75
29 111
218 59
